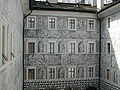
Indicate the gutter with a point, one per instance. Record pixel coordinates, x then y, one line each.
99 51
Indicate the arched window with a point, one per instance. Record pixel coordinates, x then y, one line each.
60 47
79 47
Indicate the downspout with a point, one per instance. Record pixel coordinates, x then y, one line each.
23 42
99 80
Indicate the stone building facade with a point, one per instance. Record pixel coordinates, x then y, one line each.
11 45
62 47
61 50
110 44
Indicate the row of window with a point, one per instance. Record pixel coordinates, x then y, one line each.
52 23
52 73
9 43
31 73
73 47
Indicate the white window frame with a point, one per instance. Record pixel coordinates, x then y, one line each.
69 72
27 72
69 46
107 22
48 46
69 23
48 75
28 24
107 47
55 23
88 24
31 41
93 71
88 47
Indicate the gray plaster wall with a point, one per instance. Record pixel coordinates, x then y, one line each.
11 72
110 60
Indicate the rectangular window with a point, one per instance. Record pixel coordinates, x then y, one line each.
72 47
108 47
71 72
31 47
52 23
91 48
52 47
108 22
108 74
51 73
91 24
31 22
31 74
91 72
71 23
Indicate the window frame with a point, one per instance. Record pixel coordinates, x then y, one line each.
93 76
107 47
69 23
34 73
48 46
55 23
49 73
71 72
89 25
69 47
88 49
107 76
28 23
31 41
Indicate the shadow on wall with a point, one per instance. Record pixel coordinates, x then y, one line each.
91 88
110 58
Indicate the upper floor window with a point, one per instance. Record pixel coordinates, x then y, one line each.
52 23
91 24
51 47
91 47
31 47
71 72
108 22
31 74
72 24
72 47
31 22
91 71
108 48
51 73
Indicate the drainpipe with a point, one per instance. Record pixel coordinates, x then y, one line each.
99 50
23 43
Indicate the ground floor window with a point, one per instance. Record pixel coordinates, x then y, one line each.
51 73
31 74
71 72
